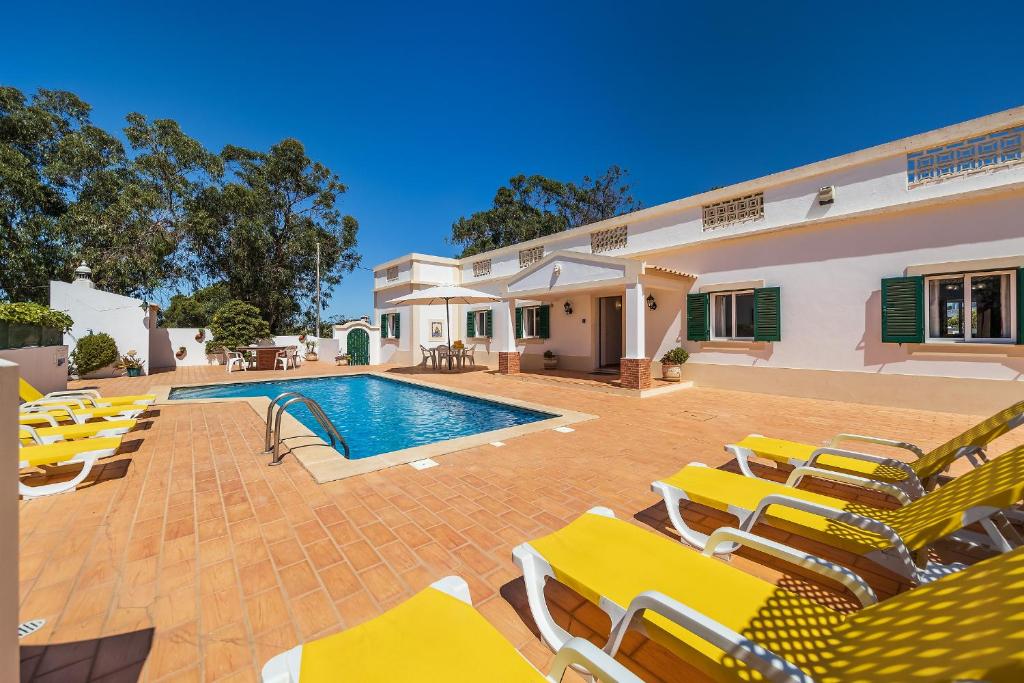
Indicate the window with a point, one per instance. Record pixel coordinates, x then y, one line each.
482 268
738 210
389 326
392 273
606 240
527 257
478 323
968 307
533 322
733 315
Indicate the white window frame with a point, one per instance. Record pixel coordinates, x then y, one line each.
732 295
480 323
531 312
389 326
967 338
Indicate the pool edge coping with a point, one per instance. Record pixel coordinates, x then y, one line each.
325 464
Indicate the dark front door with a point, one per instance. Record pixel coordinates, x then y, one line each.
610 348
358 345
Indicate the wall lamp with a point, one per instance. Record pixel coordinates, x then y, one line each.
651 303
568 307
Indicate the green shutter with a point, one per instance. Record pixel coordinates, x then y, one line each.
1020 305
490 324
698 308
544 322
767 314
903 310
470 324
384 325
519 323
398 328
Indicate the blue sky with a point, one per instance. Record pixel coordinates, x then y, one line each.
424 109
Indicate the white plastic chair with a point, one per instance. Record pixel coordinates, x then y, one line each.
233 358
428 355
468 355
289 355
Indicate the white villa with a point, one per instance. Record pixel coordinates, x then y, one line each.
850 278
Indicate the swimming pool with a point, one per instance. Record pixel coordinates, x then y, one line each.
378 415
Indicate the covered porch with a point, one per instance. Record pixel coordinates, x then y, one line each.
605 318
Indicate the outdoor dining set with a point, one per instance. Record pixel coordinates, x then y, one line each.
261 357
450 356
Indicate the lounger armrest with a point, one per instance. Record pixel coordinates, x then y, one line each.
798 473
92 393
856 585
42 414
844 516
44 402
581 652
770 665
892 443
858 455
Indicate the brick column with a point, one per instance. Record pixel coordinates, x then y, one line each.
635 373
508 362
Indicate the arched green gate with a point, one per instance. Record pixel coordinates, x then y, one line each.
358 344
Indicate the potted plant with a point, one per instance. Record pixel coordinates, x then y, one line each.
343 359
302 338
550 360
182 352
672 364
200 336
311 350
130 363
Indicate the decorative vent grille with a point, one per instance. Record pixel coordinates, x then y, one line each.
527 257
964 157
392 273
606 240
482 268
739 210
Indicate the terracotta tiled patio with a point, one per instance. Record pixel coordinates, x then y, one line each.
187 558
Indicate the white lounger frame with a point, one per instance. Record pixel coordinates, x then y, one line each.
86 459
91 395
576 652
43 440
536 570
83 414
897 558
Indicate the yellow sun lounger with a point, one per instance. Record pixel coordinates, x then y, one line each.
56 433
436 635
733 626
914 478
888 537
90 397
36 414
86 452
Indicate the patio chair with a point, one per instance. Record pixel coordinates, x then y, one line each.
726 622
436 635
85 452
889 537
442 353
56 433
285 357
234 358
30 394
469 355
914 478
428 356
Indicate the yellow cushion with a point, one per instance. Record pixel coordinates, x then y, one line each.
56 453
60 413
600 556
794 453
430 637
964 627
719 489
27 392
83 431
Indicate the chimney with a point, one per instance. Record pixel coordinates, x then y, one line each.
83 276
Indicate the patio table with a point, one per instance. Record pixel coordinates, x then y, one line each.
266 356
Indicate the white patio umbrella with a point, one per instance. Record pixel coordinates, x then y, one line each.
448 294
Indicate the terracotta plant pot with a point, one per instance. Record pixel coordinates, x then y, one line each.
182 352
671 372
134 372
311 356
551 363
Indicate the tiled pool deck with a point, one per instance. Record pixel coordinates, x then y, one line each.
186 558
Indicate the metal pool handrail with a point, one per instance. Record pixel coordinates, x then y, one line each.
318 413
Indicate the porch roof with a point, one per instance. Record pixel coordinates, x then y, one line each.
562 272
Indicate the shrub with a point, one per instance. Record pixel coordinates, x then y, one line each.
236 323
35 314
676 356
549 354
94 351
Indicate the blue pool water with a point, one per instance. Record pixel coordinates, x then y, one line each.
378 415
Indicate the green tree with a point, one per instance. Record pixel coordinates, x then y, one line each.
196 309
535 206
236 324
257 231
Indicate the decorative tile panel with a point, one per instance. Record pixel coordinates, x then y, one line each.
738 210
606 240
965 157
482 268
527 257
392 273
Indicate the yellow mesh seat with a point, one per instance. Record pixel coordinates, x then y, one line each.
29 393
63 413
79 431
57 453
